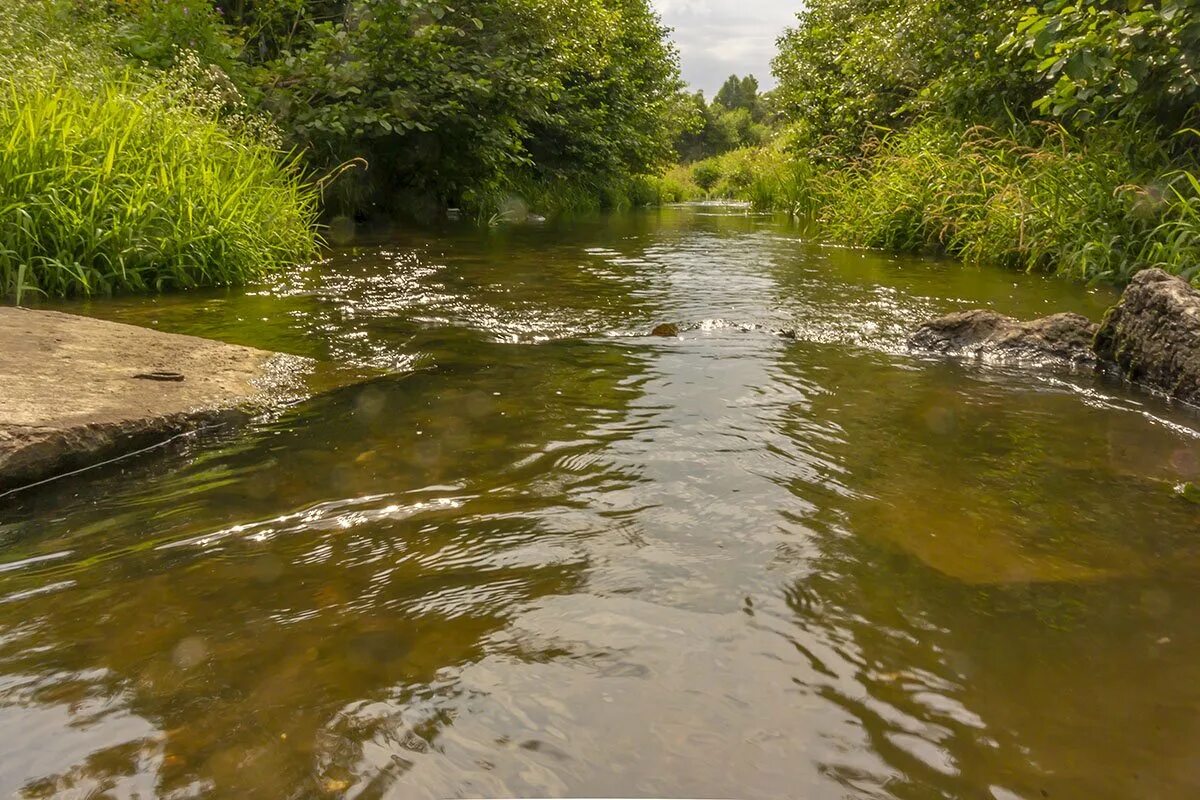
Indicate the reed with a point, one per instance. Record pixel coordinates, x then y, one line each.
1033 197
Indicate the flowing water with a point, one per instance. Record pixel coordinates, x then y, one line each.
542 553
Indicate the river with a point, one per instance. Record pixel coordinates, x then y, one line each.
543 554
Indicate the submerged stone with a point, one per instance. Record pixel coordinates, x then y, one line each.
987 334
77 391
666 329
1153 334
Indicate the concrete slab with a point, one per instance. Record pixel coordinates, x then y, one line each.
75 391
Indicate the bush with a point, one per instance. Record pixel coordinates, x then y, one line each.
460 103
656 190
706 174
1101 59
1050 137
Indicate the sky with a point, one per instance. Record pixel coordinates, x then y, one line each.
718 38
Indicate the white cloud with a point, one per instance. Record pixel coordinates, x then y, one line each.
717 38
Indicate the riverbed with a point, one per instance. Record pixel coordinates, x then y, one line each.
532 551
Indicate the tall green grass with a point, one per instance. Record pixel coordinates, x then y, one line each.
113 180
1032 197
111 189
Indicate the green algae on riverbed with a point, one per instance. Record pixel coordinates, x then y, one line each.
551 555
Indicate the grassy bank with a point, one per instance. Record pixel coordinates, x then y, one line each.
118 179
568 197
110 187
1034 197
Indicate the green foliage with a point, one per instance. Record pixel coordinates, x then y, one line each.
735 119
139 155
112 180
454 103
520 198
153 31
1043 138
728 175
706 174
850 68
1033 197
1100 60
741 93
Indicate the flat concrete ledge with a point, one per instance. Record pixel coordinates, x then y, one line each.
76 391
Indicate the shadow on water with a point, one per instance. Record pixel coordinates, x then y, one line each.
548 555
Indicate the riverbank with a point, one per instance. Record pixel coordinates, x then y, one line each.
79 391
160 146
1038 198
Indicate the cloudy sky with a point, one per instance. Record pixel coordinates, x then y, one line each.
720 37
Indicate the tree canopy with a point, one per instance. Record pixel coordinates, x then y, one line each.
849 68
446 103
735 118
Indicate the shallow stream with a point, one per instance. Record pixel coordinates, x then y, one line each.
544 554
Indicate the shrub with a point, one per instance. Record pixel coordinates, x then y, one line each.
706 174
1034 197
1097 59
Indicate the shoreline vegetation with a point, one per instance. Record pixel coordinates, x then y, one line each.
1060 136
166 144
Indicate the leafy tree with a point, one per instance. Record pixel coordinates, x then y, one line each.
1101 59
852 67
446 103
734 119
740 93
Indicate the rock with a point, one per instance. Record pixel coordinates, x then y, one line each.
1153 334
673 329
76 391
665 329
1057 338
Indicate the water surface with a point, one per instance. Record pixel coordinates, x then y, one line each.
543 554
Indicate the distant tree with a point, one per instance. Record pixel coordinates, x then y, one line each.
732 120
740 93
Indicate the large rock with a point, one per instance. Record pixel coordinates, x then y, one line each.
986 334
1153 334
76 391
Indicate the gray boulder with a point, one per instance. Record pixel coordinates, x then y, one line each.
1153 334
1060 338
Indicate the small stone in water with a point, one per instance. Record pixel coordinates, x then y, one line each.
665 329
